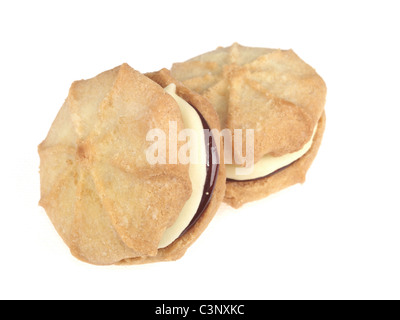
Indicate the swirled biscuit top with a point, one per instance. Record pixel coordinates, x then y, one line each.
102 195
271 91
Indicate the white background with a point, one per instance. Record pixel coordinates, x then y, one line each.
335 237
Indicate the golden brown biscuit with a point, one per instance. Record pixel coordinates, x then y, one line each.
273 92
107 202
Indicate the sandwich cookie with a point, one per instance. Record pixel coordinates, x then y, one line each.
106 197
274 94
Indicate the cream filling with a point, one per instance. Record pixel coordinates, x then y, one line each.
197 169
268 164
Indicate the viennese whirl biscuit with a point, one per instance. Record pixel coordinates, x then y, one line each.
106 200
272 92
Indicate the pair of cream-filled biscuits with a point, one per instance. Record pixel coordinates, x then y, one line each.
107 180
